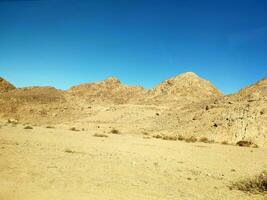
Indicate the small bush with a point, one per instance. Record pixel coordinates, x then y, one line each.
204 139
180 137
157 136
224 142
191 139
244 143
100 135
173 137
74 129
145 133
28 127
114 131
69 151
256 184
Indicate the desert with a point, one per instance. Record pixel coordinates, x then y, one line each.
183 139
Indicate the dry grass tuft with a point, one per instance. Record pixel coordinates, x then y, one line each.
191 139
256 184
224 142
100 135
28 127
115 131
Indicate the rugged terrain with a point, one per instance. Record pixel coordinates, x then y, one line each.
107 140
183 105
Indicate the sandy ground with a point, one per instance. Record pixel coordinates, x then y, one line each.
61 164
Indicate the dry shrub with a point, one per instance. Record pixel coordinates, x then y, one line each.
165 137
191 139
173 137
100 135
74 129
28 127
169 137
224 142
180 137
157 136
204 139
115 131
245 143
145 133
69 151
256 184
50 127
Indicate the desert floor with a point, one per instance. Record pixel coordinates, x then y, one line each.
60 164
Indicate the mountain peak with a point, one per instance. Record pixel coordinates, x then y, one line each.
112 79
5 86
189 74
186 86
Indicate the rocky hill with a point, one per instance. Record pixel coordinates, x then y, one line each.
241 116
110 91
184 105
185 88
5 86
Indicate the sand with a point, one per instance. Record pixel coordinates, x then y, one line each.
56 163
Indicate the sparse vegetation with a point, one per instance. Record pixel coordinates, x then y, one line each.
204 139
191 139
157 136
50 127
169 137
180 137
145 133
256 184
100 135
74 129
69 151
115 131
28 127
245 143
224 142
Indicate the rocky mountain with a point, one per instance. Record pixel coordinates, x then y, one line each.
185 88
5 86
110 91
185 104
241 116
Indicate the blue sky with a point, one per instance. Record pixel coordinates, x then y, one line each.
65 43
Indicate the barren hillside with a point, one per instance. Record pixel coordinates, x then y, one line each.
185 88
183 105
5 86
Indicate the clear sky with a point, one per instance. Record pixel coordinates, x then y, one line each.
64 43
